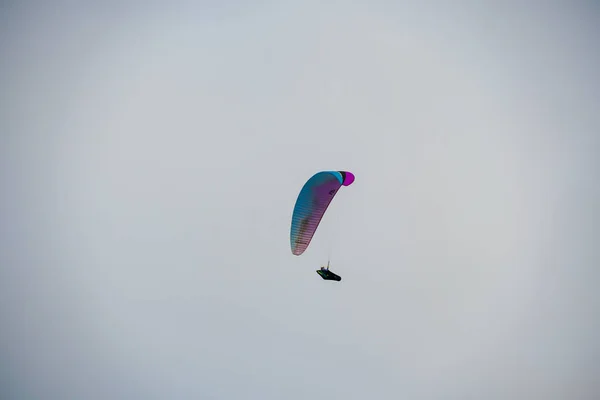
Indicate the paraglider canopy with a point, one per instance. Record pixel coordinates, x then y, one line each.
313 200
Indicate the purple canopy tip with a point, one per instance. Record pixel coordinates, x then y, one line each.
348 178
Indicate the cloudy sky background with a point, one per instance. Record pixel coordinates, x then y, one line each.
151 157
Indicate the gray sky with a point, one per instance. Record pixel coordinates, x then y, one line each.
151 158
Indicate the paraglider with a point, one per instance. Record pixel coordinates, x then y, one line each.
328 275
311 204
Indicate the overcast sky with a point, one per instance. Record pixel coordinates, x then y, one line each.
150 161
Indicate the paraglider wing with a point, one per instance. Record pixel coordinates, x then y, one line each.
312 202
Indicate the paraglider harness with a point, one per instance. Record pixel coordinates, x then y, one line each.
327 275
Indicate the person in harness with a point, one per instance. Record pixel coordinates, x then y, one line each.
327 275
